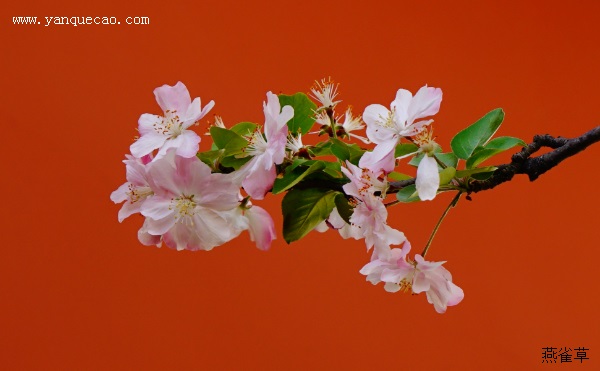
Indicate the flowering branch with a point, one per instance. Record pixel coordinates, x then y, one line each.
197 200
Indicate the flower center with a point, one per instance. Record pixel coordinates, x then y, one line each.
387 122
256 144
170 125
405 285
425 139
184 205
137 193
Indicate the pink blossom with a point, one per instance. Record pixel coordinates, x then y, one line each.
170 130
386 127
370 214
137 188
191 208
437 283
269 150
417 276
395 262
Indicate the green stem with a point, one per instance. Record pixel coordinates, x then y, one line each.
437 226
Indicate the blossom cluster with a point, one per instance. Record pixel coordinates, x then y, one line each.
191 201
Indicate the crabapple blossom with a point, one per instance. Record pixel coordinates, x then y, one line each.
395 261
259 173
353 123
191 208
370 213
415 276
137 188
437 283
325 92
386 127
170 130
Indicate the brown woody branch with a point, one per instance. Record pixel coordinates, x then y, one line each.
523 163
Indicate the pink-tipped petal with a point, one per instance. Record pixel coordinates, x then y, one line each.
456 294
381 158
259 182
261 227
173 98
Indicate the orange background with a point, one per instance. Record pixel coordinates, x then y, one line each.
78 291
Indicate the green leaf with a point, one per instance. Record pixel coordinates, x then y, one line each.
340 149
244 128
227 140
355 153
343 207
303 110
293 177
398 176
346 152
505 143
408 194
469 172
405 149
494 147
334 169
304 209
467 140
210 157
449 159
447 175
234 162
321 149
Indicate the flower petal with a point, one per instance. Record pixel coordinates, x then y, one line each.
381 158
146 144
195 113
401 105
261 227
426 102
146 123
259 181
173 98
428 178
120 194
